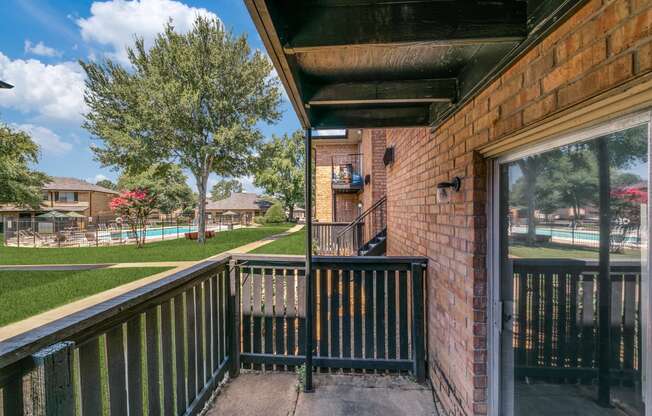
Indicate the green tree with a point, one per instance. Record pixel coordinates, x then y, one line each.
280 169
19 183
224 188
105 183
167 182
196 99
275 214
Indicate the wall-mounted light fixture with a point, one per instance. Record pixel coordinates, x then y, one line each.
388 157
444 189
367 179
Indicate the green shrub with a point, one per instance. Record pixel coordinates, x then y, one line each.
275 214
259 219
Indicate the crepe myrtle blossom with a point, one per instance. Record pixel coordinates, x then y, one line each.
133 207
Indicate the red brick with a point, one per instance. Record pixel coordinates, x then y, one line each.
645 58
632 31
540 109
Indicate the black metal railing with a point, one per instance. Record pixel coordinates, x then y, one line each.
166 346
556 326
372 222
346 172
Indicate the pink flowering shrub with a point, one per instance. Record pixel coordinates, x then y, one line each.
133 207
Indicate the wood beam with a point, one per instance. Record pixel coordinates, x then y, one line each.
313 27
386 92
325 117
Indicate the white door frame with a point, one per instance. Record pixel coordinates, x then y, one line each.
494 312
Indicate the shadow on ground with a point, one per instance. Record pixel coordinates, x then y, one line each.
276 394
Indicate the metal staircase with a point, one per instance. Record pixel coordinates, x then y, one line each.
367 234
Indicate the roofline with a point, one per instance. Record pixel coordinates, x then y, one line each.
107 191
263 22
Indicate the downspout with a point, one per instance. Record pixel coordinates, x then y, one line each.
309 283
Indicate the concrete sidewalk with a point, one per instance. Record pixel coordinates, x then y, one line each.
277 394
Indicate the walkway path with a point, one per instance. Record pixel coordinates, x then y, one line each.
35 321
277 394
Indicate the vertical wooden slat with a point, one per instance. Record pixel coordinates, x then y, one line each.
190 344
391 314
153 374
587 321
179 354
573 346
291 312
418 330
89 374
629 321
206 318
279 311
334 315
536 319
562 318
268 306
247 281
231 329
117 370
615 320
403 314
199 328
368 314
322 325
12 397
548 319
224 297
346 313
167 353
357 314
216 313
257 313
301 305
380 314
523 322
134 365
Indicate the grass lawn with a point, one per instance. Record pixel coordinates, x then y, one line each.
27 293
172 250
558 251
291 244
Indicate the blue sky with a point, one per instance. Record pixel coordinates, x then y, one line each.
41 44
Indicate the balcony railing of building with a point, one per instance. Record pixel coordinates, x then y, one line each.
346 173
166 346
365 233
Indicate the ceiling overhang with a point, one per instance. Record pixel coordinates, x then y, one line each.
374 63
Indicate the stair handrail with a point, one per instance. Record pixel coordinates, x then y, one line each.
359 220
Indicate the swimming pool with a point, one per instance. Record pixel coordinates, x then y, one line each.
592 236
154 232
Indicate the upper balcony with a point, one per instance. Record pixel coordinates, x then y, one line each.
346 173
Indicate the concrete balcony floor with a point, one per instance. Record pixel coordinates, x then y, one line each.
277 394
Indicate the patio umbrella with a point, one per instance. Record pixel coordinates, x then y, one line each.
73 214
230 214
53 214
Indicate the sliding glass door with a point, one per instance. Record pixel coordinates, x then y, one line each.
572 244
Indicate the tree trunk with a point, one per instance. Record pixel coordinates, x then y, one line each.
291 212
201 209
531 207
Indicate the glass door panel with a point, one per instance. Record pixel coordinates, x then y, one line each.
573 248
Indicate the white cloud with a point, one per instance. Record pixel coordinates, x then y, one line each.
96 178
114 23
49 141
51 91
40 49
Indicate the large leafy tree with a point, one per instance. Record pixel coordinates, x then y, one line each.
106 183
224 188
281 169
195 99
167 182
19 183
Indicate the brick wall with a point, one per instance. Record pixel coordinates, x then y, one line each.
605 44
373 148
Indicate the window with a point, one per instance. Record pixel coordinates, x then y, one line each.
66 196
46 196
573 255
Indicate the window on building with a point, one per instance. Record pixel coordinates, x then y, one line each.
66 196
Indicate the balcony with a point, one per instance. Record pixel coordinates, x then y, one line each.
346 173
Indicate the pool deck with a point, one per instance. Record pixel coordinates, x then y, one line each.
36 321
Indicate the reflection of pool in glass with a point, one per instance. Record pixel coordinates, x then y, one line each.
577 235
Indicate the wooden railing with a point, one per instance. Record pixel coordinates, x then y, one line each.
325 237
160 349
353 238
163 348
368 313
556 329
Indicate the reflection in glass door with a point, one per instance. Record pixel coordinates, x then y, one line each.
573 260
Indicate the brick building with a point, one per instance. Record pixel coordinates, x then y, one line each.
578 78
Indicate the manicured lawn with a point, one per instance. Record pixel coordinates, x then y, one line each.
172 250
559 251
27 293
292 244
